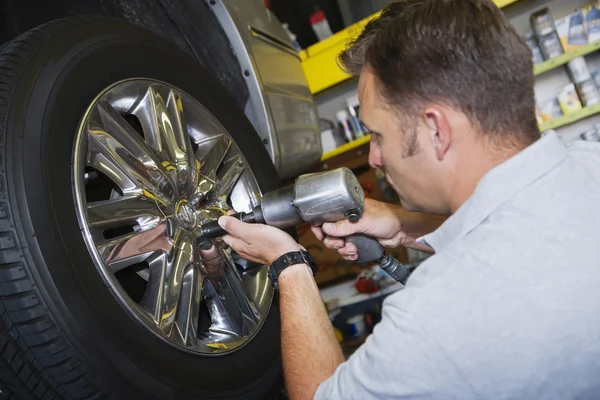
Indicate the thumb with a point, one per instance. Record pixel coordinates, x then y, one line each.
339 229
231 225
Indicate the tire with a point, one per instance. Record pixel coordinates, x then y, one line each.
63 334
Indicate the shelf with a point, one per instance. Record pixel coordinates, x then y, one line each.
565 58
346 147
552 124
319 61
570 118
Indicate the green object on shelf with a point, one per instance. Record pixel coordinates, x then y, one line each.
565 58
570 118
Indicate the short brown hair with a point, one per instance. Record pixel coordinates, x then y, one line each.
462 53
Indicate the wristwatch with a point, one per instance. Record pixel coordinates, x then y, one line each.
289 259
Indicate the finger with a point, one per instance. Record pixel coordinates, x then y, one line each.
234 226
230 212
333 243
235 243
346 252
318 232
351 248
339 229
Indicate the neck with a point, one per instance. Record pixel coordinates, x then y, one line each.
471 168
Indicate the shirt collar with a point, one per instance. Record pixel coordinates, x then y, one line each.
497 186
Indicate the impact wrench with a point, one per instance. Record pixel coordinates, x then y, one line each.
318 198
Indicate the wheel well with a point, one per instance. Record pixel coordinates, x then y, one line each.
187 23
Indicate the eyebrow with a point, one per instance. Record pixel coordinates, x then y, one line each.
371 131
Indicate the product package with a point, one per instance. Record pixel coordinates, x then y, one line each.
592 21
571 31
588 93
545 30
578 70
596 77
538 114
536 52
550 109
568 99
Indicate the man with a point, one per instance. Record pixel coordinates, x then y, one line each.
508 306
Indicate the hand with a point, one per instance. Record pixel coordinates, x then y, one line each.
256 242
380 220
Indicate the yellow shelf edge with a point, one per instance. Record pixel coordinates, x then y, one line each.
346 147
320 60
570 118
504 3
565 58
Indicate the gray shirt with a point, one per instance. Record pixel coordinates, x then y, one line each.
509 306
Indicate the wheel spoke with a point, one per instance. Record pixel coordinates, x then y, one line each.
234 282
152 300
228 176
131 142
188 309
222 324
129 181
123 211
232 312
181 256
163 129
126 250
214 150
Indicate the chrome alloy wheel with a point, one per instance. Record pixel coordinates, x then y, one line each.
150 165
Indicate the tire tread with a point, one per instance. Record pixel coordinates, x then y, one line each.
36 359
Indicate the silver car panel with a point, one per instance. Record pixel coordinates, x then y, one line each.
280 106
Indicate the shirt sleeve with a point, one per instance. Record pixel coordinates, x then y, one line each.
398 361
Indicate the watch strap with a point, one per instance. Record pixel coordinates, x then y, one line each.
287 260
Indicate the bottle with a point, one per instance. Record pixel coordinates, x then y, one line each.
344 121
320 25
292 37
356 125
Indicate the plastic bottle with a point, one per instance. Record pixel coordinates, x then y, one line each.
344 121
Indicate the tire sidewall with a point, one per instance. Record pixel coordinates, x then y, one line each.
63 78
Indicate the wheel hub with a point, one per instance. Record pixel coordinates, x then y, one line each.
161 164
186 215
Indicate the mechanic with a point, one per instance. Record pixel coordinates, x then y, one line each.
508 305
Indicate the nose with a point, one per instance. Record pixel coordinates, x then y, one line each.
375 154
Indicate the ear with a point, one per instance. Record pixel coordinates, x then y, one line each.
436 119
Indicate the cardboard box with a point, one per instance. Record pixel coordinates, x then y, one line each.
571 30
